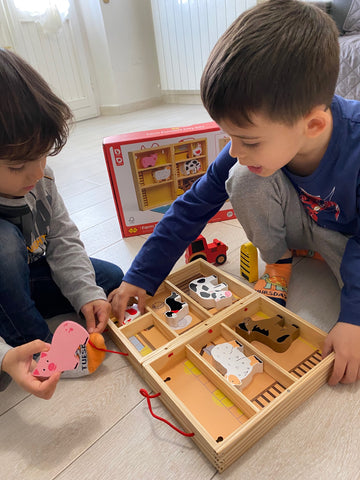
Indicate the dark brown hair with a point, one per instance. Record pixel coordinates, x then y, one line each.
33 120
280 58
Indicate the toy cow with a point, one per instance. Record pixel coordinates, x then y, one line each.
273 332
177 309
209 293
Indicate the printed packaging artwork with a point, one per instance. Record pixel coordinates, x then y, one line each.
149 170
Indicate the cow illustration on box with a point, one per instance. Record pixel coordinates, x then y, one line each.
190 167
228 358
209 293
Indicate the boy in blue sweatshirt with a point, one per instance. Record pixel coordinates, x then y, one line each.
291 171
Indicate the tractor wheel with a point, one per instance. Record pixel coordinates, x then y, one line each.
195 257
221 259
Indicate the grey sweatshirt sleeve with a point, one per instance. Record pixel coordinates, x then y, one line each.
5 379
70 265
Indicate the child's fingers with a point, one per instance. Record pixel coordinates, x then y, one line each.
112 294
351 372
45 389
90 320
338 371
142 303
31 348
327 347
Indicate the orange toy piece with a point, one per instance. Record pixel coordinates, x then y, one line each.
273 332
95 357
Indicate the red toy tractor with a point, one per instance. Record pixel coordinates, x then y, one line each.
213 252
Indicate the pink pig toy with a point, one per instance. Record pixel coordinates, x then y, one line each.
149 161
61 356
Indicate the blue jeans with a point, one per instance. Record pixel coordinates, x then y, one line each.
28 293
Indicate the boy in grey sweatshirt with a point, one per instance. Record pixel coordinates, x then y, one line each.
44 268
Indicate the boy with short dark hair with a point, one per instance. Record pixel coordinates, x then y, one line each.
291 171
44 268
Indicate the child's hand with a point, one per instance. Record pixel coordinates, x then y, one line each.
344 341
96 314
120 297
18 363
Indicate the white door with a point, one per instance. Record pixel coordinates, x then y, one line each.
53 46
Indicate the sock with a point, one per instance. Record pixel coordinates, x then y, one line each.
89 357
274 283
307 253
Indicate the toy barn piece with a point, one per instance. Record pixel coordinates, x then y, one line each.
209 293
211 252
270 331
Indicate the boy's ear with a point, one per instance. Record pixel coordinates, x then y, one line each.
317 121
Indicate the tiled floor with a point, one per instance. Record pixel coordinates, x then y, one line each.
99 427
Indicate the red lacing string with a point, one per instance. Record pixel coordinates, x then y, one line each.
105 349
145 394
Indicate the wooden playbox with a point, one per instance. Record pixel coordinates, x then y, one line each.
195 368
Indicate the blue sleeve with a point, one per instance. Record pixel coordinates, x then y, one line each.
350 273
182 223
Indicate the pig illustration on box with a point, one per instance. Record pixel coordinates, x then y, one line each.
149 160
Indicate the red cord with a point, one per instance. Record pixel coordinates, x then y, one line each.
145 394
105 350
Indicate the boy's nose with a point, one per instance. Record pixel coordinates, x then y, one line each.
38 171
236 151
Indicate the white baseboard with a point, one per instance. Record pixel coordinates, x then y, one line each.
181 96
130 107
170 96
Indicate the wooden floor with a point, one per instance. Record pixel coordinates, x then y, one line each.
99 427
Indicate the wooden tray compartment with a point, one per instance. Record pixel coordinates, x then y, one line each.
187 382
158 307
225 420
141 337
305 351
263 387
200 268
213 406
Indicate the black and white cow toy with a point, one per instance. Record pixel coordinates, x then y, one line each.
178 310
209 293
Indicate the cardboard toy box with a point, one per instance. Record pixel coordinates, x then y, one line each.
149 170
227 373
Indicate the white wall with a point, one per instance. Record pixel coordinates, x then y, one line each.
123 53
185 33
